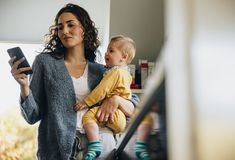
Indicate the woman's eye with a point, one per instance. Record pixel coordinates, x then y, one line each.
70 25
59 28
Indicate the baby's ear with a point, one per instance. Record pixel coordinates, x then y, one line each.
124 56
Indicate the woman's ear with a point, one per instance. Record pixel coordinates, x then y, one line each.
82 32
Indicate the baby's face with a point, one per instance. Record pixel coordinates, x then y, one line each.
113 55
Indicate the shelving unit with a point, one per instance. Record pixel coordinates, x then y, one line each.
137 91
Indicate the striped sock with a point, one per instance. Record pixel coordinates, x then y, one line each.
141 150
94 150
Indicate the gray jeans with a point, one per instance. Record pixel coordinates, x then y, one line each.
81 143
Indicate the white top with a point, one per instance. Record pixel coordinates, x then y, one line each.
81 90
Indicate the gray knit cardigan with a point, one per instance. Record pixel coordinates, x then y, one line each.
51 102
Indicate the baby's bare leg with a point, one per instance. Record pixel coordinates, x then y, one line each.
92 131
91 127
143 132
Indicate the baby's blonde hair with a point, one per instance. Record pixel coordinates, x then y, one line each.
127 46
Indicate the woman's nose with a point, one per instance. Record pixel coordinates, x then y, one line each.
65 30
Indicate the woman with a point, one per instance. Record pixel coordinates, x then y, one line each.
64 73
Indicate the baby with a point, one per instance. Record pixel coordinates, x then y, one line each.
116 81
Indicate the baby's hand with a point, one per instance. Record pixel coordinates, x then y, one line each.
80 106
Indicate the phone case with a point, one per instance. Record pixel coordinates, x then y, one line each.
16 51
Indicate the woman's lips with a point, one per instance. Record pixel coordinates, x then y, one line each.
67 38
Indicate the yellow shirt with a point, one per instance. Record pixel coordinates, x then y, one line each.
116 81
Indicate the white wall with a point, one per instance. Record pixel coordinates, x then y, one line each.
143 21
27 21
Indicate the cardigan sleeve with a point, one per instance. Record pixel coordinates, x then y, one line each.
31 107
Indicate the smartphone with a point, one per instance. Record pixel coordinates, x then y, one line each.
17 52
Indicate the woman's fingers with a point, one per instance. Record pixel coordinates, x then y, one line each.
16 63
20 70
106 117
20 76
102 116
111 118
15 70
98 113
107 109
11 61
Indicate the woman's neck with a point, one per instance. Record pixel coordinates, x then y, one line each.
75 56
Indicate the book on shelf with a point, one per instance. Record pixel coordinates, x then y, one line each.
140 73
143 63
151 67
132 69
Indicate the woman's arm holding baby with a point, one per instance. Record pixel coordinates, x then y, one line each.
110 105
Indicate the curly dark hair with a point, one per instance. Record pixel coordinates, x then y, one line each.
54 46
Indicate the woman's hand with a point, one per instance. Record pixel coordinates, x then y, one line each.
110 105
107 109
20 77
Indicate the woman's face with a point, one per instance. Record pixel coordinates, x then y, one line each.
70 30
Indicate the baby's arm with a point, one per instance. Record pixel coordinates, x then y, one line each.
106 86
